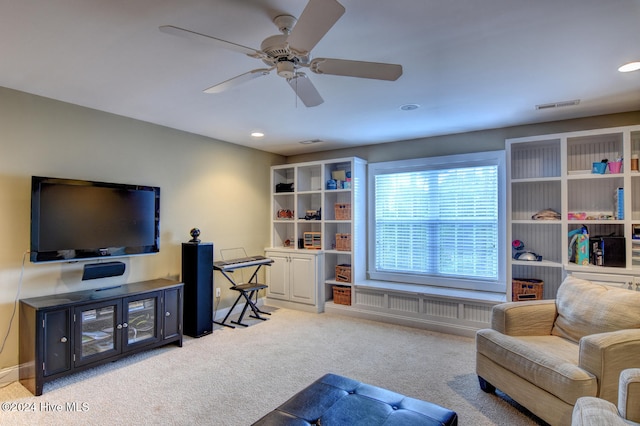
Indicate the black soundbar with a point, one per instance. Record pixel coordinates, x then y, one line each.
93 271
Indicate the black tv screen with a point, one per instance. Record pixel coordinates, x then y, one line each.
78 219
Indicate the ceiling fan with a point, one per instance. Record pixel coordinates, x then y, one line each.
288 53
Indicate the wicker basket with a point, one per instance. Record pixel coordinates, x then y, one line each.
343 211
343 242
526 289
343 273
341 295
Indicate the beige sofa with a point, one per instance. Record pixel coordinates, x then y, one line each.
545 354
591 411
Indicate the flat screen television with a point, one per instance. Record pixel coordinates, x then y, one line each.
77 219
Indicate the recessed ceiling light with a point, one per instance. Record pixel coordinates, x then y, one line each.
257 134
409 107
631 66
310 141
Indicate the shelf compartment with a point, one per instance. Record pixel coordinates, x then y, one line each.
284 206
583 151
284 235
544 239
339 167
635 143
309 178
595 197
333 229
552 277
635 197
333 259
528 198
283 176
308 204
535 159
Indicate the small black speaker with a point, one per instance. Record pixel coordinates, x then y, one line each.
102 270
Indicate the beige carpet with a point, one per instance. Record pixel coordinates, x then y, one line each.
234 377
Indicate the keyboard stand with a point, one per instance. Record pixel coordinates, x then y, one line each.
247 291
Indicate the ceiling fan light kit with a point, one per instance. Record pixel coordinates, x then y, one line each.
290 51
286 69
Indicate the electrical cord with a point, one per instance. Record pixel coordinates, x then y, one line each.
15 304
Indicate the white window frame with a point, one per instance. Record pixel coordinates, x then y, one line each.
497 158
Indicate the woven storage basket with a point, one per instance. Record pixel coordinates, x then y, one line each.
343 211
343 273
526 289
343 242
341 295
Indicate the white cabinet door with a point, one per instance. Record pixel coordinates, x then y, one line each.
277 276
293 277
302 278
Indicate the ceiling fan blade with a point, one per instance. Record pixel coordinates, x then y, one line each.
192 35
360 69
238 80
316 20
305 90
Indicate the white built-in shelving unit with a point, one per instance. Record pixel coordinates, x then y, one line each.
555 172
293 215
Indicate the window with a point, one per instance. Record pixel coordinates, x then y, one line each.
439 221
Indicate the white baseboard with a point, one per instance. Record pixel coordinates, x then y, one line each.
441 327
277 303
9 375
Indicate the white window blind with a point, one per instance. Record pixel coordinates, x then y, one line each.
437 221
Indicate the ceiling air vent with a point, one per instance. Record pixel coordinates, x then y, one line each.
558 104
310 141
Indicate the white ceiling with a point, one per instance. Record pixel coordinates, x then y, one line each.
469 64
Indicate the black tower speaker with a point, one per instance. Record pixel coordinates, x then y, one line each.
92 271
197 276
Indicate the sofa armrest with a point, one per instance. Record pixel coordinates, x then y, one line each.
529 318
605 355
592 411
629 394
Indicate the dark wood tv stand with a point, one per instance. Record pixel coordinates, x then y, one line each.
66 333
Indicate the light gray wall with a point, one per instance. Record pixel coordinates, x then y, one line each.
221 188
485 140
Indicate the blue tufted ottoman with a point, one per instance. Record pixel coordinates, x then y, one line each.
334 400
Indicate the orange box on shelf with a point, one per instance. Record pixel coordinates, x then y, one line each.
526 289
341 295
343 211
313 240
343 242
343 273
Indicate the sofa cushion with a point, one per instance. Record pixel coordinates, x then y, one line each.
549 362
587 308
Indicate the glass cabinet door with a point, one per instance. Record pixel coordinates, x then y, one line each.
142 314
97 331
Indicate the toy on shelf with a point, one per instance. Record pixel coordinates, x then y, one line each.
520 254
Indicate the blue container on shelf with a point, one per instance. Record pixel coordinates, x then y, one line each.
332 184
599 168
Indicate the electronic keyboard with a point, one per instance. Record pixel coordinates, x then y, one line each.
243 262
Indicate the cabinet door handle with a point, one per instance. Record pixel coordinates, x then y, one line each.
125 325
119 326
167 314
63 340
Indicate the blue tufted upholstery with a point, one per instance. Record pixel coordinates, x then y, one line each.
334 400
